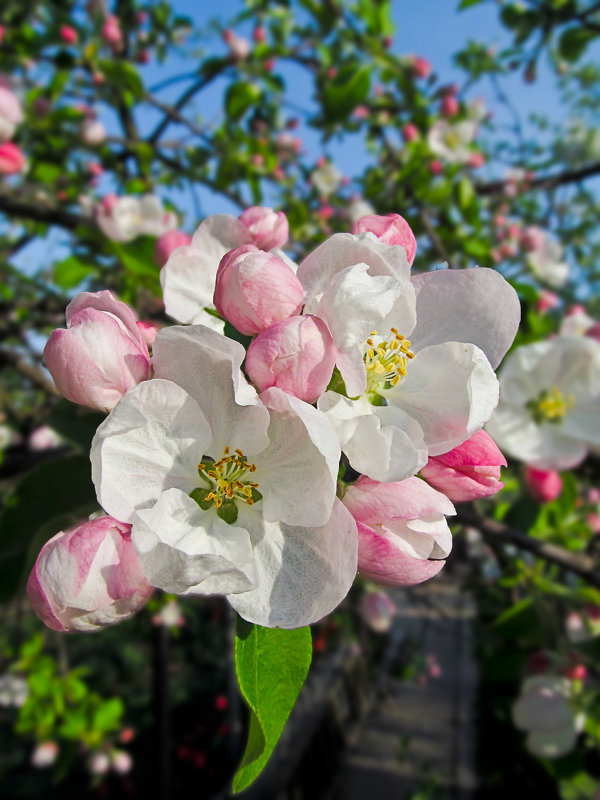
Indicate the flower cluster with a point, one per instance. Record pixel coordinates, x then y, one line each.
231 469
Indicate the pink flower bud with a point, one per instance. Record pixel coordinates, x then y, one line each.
547 301
88 577
259 35
544 485
410 132
377 610
100 355
435 167
12 159
421 67
390 229
449 107
168 242
142 57
111 33
469 471
2 32
68 34
402 531
476 160
594 332
254 289
11 113
238 46
45 754
296 355
532 238
148 331
360 112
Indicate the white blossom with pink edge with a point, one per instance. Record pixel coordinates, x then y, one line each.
543 710
545 258
549 409
403 536
285 552
407 398
101 354
132 216
188 277
390 229
11 113
451 141
88 577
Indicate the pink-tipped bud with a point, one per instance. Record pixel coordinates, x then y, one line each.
421 67
100 355
68 34
12 159
390 229
44 755
449 107
11 113
259 34
435 167
167 243
544 485
469 471
111 33
296 355
268 228
254 289
547 301
377 610
148 331
88 577
410 132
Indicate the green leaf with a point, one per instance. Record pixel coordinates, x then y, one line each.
271 666
71 272
108 716
55 495
77 424
574 41
468 3
124 76
348 89
239 97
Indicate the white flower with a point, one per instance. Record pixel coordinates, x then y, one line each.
228 493
543 711
326 178
359 208
14 690
549 410
133 216
545 261
451 140
412 397
576 322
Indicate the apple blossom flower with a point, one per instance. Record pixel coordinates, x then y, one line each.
227 493
44 755
239 47
326 178
544 485
188 277
121 761
92 132
389 229
12 159
545 258
406 398
421 66
11 113
358 208
296 354
549 409
269 229
451 140
468 471
88 577
111 33
99 763
14 690
377 610
44 438
170 615
403 536
547 301
576 322
544 712
167 243
132 216
254 289
101 354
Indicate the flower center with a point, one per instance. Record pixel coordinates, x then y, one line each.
550 406
386 360
226 481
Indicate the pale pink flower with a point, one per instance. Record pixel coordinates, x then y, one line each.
12 159
111 33
543 710
88 577
99 763
268 228
239 47
168 242
121 761
92 132
389 229
44 438
296 354
44 755
469 471
100 355
11 113
377 610
544 485
403 536
254 289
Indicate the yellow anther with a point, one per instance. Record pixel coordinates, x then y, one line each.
386 360
227 478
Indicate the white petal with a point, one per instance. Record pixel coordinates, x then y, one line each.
297 473
382 442
424 537
471 305
186 550
188 277
151 441
450 390
207 365
343 250
303 573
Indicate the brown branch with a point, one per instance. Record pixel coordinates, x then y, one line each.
544 182
39 213
36 375
183 100
580 563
